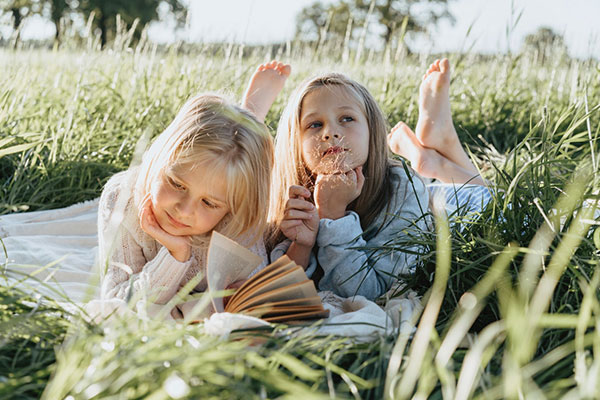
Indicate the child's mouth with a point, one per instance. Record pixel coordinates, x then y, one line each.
176 223
333 150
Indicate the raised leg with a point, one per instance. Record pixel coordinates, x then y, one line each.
264 86
435 129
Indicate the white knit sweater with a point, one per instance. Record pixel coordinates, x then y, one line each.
133 260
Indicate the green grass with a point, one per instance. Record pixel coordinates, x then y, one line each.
519 286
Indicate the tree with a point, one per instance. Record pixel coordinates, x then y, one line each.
543 41
317 20
106 11
20 10
387 15
57 10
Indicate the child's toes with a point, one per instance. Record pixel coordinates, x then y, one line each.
285 69
444 65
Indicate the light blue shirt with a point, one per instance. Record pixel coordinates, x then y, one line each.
352 259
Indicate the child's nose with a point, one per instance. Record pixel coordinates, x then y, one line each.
330 133
186 207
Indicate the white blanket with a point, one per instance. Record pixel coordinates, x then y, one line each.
60 248
63 240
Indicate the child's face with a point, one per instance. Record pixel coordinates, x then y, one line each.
189 201
334 133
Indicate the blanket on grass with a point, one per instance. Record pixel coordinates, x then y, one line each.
54 253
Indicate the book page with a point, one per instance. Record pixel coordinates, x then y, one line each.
295 291
299 316
256 283
227 262
303 302
281 265
276 312
287 278
264 312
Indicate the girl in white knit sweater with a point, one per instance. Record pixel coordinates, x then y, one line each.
209 170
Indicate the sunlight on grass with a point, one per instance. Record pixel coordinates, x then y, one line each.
511 298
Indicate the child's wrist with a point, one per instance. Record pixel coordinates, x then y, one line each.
334 213
302 246
182 255
300 254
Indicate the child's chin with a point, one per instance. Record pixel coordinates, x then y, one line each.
333 168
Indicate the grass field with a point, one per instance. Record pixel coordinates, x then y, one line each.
517 289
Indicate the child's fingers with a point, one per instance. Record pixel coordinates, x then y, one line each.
296 214
351 177
148 220
145 203
290 223
291 229
296 191
299 204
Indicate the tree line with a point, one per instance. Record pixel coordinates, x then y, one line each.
340 21
102 13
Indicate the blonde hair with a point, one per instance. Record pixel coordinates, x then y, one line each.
290 168
209 130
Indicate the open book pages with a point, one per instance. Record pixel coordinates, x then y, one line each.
227 262
279 292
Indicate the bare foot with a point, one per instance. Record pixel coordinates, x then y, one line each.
264 86
428 162
403 141
435 128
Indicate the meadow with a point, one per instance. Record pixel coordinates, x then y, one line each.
511 301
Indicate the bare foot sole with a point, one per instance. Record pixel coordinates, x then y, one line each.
403 141
435 128
264 86
428 162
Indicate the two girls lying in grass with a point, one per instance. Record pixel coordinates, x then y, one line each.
335 191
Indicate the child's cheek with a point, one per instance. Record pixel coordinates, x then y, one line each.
158 193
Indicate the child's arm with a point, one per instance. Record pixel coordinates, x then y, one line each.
349 267
179 246
123 246
300 225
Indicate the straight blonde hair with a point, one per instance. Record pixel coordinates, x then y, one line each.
290 168
211 132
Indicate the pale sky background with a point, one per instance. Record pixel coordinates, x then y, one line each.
264 21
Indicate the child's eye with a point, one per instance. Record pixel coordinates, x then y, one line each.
209 203
315 125
174 183
347 119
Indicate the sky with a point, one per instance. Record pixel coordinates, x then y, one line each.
264 21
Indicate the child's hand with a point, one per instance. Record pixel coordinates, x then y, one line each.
301 220
334 192
178 246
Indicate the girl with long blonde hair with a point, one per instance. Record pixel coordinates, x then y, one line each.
209 170
337 196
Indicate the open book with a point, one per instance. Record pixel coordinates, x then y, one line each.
279 292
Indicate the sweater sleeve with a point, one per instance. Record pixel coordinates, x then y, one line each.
128 271
353 265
